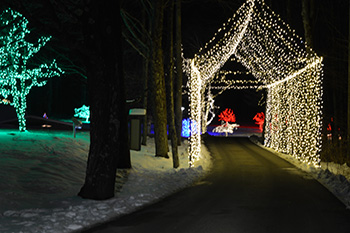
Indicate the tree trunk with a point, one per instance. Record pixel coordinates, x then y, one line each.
108 135
49 99
289 12
307 13
170 88
160 115
145 96
145 65
178 83
348 130
20 111
335 121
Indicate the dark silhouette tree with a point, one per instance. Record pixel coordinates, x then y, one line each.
145 73
137 33
109 139
160 114
169 81
179 78
307 13
138 36
348 117
89 32
150 47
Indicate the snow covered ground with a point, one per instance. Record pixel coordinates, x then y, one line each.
41 173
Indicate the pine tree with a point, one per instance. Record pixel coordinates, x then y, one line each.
16 76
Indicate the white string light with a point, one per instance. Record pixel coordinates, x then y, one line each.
195 113
280 62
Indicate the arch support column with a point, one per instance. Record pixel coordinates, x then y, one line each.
195 88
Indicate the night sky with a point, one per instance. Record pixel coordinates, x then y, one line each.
200 20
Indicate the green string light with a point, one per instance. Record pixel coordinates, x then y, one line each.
16 78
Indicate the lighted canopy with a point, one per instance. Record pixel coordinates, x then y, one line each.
17 76
281 62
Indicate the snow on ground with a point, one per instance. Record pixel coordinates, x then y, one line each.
42 171
335 177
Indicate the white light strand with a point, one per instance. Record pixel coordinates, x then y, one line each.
195 113
203 67
281 62
312 64
235 87
211 62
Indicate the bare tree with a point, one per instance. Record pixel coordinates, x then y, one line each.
137 34
109 140
169 81
307 14
178 80
348 129
90 32
160 115
145 73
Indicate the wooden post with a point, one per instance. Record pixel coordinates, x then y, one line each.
76 123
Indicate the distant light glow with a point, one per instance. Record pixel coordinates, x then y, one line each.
259 119
227 115
83 112
185 128
226 128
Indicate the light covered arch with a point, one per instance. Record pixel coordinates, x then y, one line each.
281 62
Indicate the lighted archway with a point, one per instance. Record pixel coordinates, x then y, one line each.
281 62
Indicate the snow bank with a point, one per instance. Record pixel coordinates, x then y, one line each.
335 177
41 173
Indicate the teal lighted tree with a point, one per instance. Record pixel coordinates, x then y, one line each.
17 77
83 112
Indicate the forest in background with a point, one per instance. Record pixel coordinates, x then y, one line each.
152 36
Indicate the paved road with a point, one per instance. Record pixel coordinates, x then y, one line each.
249 190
